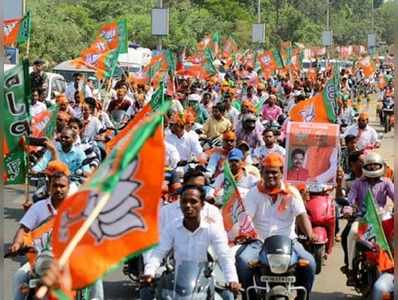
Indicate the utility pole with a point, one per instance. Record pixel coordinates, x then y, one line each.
373 16
160 37
259 11
328 30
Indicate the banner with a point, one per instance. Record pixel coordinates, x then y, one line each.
311 153
15 117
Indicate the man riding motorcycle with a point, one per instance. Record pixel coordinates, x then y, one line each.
275 207
190 238
381 187
36 215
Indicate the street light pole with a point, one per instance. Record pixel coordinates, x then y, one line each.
259 11
327 29
160 37
373 16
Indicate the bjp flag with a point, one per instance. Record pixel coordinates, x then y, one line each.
267 63
122 202
319 108
11 30
367 66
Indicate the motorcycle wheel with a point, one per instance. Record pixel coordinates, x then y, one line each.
318 251
387 124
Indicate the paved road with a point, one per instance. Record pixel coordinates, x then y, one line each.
329 285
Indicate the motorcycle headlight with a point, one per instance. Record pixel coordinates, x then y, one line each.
278 263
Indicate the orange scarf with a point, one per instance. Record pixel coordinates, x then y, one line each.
274 192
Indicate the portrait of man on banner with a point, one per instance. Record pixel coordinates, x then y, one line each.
312 153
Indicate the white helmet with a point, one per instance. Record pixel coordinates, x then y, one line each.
370 159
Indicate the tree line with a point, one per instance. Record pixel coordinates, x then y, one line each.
62 28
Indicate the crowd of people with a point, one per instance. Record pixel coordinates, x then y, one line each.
238 117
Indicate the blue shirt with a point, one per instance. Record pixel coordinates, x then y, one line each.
73 159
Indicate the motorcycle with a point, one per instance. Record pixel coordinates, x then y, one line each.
366 257
388 114
322 214
190 280
274 271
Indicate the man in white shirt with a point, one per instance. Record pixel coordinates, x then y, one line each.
36 215
187 145
274 207
366 135
77 85
270 146
190 239
172 155
36 106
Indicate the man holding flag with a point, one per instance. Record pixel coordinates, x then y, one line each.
380 188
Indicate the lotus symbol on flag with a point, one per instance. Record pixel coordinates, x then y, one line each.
308 113
13 168
266 59
109 35
118 215
9 28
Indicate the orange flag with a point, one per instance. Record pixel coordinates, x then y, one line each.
367 66
11 30
267 63
128 224
315 109
90 56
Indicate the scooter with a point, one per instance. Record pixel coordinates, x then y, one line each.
322 214
274 271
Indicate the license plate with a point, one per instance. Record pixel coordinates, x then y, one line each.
282 279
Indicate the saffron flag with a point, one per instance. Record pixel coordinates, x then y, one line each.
267 63
319 108
372 228
44 123
237 222
10 31
131 177
15 121
115 33
106 64
230 47
367 66
17 31
90 56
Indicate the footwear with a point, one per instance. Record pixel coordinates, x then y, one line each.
344 269
350 278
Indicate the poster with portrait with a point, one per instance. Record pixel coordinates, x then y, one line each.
312 151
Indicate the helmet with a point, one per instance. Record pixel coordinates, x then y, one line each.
370 159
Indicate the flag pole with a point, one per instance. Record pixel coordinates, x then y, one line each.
77 238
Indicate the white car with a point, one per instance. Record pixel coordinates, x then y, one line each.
55 82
